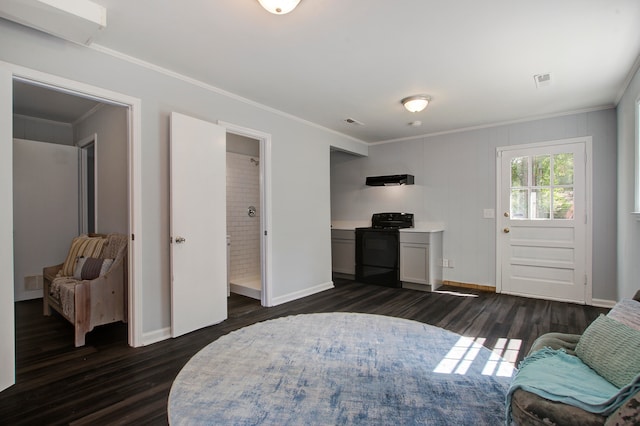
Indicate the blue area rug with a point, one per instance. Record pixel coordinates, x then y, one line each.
341 368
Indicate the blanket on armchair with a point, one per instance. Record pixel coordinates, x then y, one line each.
63 290
565 378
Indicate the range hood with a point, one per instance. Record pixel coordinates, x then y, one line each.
390 180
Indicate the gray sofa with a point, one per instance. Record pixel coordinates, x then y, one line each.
529 409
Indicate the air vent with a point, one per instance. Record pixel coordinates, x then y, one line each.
542 80
353 121
33 282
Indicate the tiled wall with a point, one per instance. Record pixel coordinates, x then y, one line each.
243 190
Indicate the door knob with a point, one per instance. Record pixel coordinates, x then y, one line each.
180 240
506 230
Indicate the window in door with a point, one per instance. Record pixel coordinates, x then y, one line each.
542 187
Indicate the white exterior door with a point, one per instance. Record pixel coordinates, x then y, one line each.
198 224
542 233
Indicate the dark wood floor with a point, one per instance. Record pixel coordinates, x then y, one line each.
107 382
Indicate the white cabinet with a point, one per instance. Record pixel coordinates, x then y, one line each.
420 260
343 252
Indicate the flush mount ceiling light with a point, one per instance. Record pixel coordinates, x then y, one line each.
279 7
416 103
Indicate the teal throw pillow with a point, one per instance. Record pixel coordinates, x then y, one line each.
612 349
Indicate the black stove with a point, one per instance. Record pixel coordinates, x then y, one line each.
391 220
378 249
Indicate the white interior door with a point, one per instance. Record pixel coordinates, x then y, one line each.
198 224
542 231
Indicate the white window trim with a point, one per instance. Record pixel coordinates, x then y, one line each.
636 211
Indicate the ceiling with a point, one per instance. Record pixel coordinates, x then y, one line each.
330 60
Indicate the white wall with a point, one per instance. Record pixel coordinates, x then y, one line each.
45 208
42 130
455 180
109 122
628 226
300 234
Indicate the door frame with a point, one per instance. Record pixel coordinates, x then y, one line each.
265 205
134 123
83 206
587 141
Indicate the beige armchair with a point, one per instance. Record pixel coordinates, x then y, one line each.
90 287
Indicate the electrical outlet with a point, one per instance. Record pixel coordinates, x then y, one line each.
451 263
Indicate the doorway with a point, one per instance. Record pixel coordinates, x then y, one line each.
58 188
249 159
543 240
8 74
243 216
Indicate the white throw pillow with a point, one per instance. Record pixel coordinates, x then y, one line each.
626 311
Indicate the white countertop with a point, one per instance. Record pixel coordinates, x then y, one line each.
419 226
425 227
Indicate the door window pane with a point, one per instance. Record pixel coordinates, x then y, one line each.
520 172
563 169
563 203
541 203
541 170
519 204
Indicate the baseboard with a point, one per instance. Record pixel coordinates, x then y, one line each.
245 291
156 336
471 286
301 293
603 303
165 333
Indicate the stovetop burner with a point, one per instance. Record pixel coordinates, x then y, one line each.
391 220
